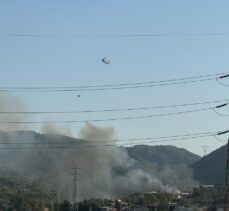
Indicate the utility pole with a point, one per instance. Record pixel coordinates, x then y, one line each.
226 195
226 190
75 189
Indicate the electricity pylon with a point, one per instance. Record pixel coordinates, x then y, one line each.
75 189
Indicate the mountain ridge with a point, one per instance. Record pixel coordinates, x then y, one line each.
211 168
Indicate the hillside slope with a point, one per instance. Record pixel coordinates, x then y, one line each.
162 155
211 168
49 159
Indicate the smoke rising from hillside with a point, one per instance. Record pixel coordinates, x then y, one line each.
92 133
9 103
104 171
55 129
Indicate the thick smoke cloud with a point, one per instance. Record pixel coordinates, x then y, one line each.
55 129
92 133
9 103
105 170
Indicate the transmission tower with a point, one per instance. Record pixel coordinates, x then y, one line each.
205 149
75 189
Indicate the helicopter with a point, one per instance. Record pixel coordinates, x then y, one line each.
105 60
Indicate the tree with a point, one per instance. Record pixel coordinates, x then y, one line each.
164 199
65 206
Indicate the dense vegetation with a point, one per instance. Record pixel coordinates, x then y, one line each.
211 168
162 155
28 197
22 196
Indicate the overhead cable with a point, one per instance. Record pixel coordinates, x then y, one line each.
118 35
101 145
108 119
117 109
176 81
132 140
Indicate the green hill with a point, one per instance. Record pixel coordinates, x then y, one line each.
127 170
211 168
21 195
162 155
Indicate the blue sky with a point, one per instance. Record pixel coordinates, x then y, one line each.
69 61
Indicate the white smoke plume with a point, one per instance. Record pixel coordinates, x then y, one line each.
9 103
105 170
55 129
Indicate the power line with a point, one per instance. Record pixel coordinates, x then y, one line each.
104 145
218 139
80 142
108 145
219 75
219 113
176 81
109 119
219 80
119 35
115 110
